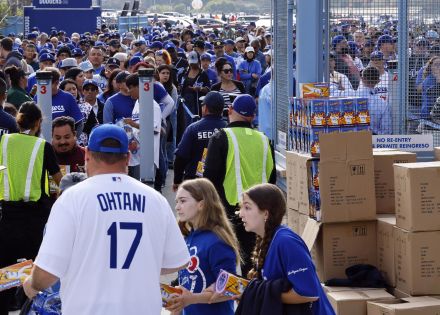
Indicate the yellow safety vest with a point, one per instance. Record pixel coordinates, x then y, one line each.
23 156
249 161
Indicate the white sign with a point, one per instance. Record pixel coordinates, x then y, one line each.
282 139
411 143
197 4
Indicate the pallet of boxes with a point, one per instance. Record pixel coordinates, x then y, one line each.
333 187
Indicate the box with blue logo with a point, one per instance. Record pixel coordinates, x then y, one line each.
334 114
317 112
348 108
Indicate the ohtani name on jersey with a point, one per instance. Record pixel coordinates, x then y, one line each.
121 201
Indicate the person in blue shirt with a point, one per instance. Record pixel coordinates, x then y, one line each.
279 252
63 103
120 105
7 122
249 71
205 62
189 162
212 245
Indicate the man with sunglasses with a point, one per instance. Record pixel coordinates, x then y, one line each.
90 93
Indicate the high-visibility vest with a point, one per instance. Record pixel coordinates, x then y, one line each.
249 161
23 156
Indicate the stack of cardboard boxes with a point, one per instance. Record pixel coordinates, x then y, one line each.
355 185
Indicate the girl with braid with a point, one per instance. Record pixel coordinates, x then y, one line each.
279 252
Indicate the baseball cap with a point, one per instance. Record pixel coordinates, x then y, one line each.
214 101
199 44
129 36
249 49
46 57
71 179
376 55
156 44
86 66
229 42
205 56
32 35
245 105
77 52
134 61
169 45
64 49
69 62
121 76
90 82
108 131
113 62
193 57
218 43
432 34
239 39
385 39
337 39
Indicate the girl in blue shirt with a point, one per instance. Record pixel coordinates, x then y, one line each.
212 245
279 252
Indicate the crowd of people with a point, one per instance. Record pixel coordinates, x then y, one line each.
208 88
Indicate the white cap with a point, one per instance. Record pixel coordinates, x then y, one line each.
193 57
239 39
86 66
69 62
249 49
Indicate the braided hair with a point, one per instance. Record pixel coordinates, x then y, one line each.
268 198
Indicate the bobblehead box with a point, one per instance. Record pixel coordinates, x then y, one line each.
337 246
417 262
342 179
354 302
417 196
422 305
384 177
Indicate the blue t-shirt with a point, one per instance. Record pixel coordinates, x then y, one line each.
288 257
32 79
195 139
64 104
212 76
209 254
159 92
117 107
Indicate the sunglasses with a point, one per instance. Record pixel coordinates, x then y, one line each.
227 71
93 89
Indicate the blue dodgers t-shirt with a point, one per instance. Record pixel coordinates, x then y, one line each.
117 107
64 104
159 92
209 255
288 257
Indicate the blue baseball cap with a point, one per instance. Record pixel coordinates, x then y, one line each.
169 45
77 52
229 42
214 101
46 57
385 39
104 132
245 105
376 55
90 82
156 44
337 39
134 61
205 56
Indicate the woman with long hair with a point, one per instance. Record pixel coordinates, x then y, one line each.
163 75
18 81
162 57
70 86
77 75
111 88
279 252
227 84
212 245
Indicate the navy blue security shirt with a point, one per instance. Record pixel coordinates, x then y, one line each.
190 149
7 123
209 255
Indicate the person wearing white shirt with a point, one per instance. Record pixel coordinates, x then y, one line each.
380 112
109 238
339 83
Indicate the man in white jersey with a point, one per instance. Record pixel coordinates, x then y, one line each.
109 238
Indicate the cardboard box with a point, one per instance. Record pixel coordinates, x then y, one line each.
437 153
328 289
337 246
346 178
293 219
355 302
385 247
384 177
417 196
417 259
423 305
399 294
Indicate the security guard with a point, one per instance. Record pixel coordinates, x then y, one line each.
24 191
192 149
240 157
